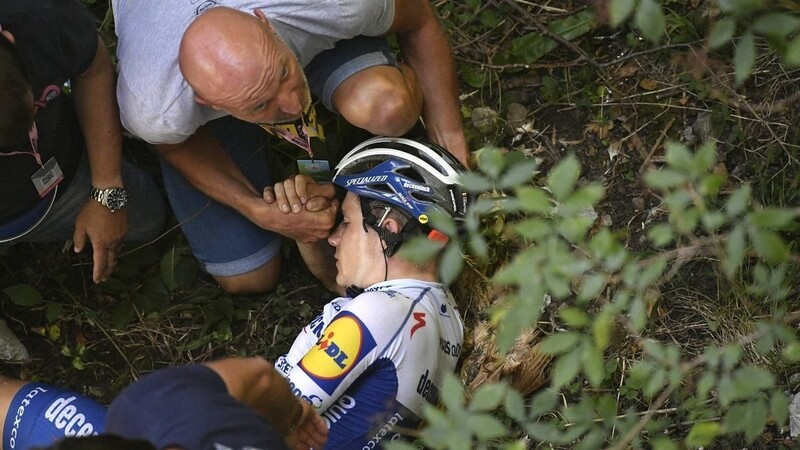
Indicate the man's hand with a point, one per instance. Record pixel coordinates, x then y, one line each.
298 191
304 226
105 230
310 431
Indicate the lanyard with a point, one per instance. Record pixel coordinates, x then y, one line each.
33 137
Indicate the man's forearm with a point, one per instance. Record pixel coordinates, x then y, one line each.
98 116
428 53
211 170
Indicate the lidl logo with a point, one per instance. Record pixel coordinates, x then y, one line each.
340 347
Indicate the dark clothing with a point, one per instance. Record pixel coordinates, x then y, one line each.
189 407
58 41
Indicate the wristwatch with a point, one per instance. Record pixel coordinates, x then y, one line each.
114 198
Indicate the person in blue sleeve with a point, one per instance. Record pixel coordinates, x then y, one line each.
231 403
62 175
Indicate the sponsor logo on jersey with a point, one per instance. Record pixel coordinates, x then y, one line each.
338 410
367 180
383 431
419 322
12 439
427 389
448 348
315 400
66 416
342 345
415 186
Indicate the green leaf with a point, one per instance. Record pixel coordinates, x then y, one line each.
593 368
491 161
582 199
662 443
487 397
776 24
721 32
563 177
533 229
740 7
649 19
475 182
772 218
750 418
664 179
702 434
679 157
791 55
566 368
419 249
619 10
23 294
769 246
779 408
591 286
542 402
735 247
574 317
452 393
560 342
532 46
534 200
518 174
514 405
661 234
744 57
451 264
123 313
601 329
486 427
738 201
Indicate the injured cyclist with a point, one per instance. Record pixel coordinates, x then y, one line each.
373 357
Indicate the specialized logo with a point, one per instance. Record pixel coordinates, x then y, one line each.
419 317
342 345
367 180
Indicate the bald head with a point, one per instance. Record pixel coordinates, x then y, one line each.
225 50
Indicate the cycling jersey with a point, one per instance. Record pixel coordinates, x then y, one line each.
371 362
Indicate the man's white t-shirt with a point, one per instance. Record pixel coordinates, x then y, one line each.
157 105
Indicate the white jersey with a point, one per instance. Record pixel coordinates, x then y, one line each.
370 363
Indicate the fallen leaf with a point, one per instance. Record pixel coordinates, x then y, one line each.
648 84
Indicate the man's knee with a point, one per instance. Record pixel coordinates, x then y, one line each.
259 281
384 102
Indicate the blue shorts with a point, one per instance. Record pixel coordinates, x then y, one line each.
225 242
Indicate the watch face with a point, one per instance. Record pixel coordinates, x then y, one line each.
117 199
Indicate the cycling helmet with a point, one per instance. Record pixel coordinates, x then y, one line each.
413 176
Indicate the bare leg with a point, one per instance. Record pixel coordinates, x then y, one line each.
384 100
261 280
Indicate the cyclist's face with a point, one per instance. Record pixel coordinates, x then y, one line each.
359 253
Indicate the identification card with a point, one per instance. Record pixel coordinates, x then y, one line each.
299 132
48 177
318 169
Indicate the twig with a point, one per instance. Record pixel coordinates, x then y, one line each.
656 145
554 36
644 52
